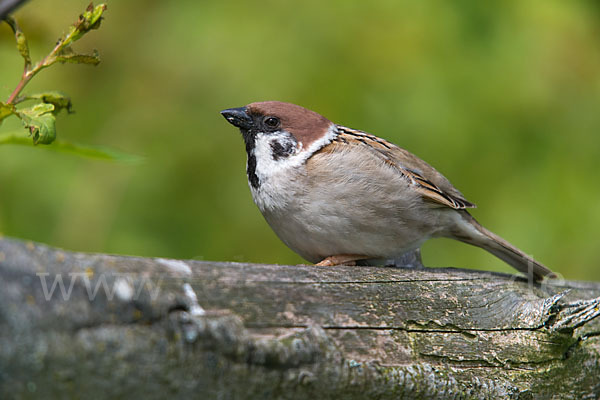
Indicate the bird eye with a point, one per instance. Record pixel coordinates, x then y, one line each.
271 122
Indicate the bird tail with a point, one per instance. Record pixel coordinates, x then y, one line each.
473 233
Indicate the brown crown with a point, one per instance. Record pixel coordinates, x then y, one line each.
306 125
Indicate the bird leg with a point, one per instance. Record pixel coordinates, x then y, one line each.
410 259
340 259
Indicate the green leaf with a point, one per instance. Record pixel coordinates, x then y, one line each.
58 99
6 110
43 129
88 20
68 55
101 153
22 45
40 121
98 152
37 110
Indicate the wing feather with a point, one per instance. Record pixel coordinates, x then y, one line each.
425 179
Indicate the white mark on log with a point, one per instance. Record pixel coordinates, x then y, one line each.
195 308
175 265
123 290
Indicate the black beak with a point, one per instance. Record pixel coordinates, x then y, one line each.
238 117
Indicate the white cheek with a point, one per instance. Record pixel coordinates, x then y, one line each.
266 164
274 173
271 170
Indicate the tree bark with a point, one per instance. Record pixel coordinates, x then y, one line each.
131 327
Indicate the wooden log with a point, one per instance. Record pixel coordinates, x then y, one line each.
76 325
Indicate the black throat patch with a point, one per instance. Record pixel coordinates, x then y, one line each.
250 140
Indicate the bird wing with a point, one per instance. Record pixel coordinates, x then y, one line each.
432 185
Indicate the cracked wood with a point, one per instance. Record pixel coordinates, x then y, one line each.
267 331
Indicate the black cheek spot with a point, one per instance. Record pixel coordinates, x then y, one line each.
281 150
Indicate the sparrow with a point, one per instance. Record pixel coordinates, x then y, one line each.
337 195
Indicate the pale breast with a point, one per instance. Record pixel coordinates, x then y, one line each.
344 202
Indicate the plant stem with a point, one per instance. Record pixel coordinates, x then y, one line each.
24 79
30 73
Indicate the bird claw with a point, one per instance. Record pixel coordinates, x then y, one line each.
341 259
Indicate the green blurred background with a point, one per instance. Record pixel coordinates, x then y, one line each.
503 98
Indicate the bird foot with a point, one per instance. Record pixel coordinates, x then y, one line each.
341 259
